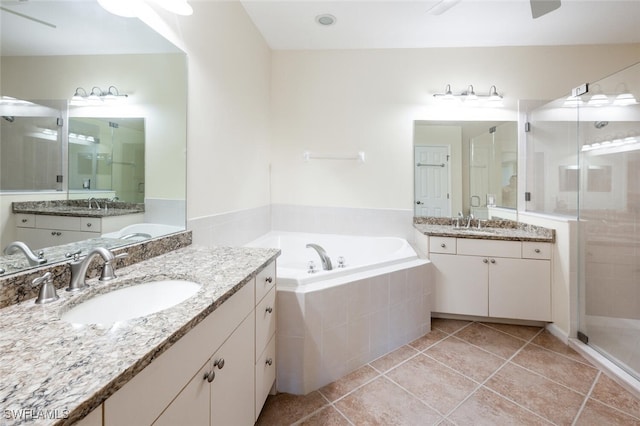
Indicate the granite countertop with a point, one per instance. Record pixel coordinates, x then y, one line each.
70 369
505 230
77 208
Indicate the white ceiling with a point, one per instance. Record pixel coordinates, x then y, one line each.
406 24
82 28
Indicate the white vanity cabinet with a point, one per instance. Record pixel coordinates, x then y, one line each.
217 374
39 231
492 278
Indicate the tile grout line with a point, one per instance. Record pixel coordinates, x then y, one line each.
586 398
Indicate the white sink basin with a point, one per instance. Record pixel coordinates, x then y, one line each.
131 302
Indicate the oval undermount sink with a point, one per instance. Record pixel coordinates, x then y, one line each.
131 302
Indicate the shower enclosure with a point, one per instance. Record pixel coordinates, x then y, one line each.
493 169
583 161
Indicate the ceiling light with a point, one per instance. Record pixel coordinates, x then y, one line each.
326 19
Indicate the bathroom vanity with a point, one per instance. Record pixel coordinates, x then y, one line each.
53 223
502 272
208 360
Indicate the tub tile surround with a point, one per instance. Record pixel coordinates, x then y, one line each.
466 372
506 230
17 287
325 334
46 363
77 208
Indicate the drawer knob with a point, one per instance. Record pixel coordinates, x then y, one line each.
493 261
269 361
269 309
56 233
210 376
485 261
88 225
219 363
269 280
443 245
25 220
537 250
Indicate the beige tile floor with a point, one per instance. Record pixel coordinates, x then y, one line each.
466 373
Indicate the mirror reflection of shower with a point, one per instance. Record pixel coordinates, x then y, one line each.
493 175
106 157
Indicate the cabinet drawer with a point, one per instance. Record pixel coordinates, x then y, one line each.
265 321
24 220
265 374
91 224
65 223
489 248
265 280
442 245
532 250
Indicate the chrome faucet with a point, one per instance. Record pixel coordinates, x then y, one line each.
469 219
80 267
326 261
33 258
91 199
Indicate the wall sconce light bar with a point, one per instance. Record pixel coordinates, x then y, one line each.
470 97
97 96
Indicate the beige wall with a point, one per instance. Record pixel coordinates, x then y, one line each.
228 126
367 100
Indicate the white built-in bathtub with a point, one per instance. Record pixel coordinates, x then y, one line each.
332 322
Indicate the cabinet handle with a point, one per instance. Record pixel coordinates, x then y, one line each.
56 233
485 261
269 280
493 261
269 309
25 220
210 376
219 363
443 245
537 250
88 225
269 361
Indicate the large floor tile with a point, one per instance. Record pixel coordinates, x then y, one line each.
449 326
552 401
327 416
433 383
381 402
346 384
462 356
485 407
490 339
523 332
573 374
598 414
285 409
614 395
394 358
429 339
552 343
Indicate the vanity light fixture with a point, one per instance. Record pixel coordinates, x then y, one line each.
470 97
624 96
97 96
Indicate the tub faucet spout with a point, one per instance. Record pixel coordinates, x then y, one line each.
326 261
33 258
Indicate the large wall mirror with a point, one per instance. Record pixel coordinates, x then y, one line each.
465 166
130 149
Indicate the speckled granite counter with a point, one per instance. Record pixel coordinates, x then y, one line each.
507 230
77 208
49 364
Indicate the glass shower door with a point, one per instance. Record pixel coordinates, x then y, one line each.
609 212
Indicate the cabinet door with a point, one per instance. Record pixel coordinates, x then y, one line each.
461 285
233 389
191 406
520 288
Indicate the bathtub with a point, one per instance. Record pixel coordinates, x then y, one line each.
332 322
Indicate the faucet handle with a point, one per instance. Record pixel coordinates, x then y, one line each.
47 290
109 270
